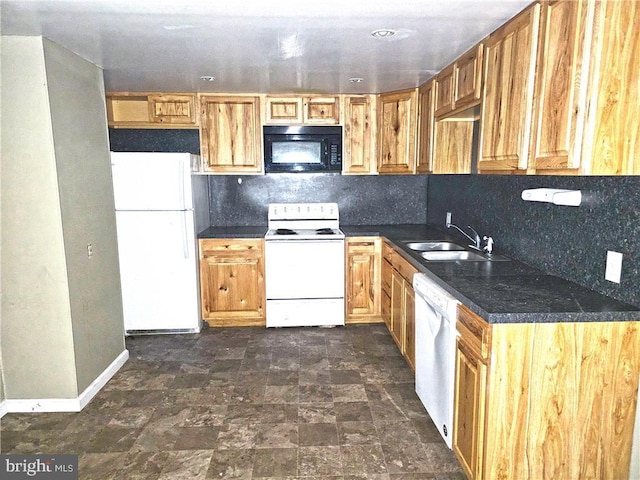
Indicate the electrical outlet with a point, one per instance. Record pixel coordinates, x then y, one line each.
613 270
89 250
448 221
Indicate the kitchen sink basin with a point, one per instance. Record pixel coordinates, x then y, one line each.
466 255
434 246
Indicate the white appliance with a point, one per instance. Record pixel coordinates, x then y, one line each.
435 317
304 265
154 199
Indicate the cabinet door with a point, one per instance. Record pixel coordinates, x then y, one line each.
284 110
397 309
321 110
509 68
397 118
358 135
232 282
468 410
172 109
444 91
468 78
230 134
363 280
426 121
561 86
410 325
385 300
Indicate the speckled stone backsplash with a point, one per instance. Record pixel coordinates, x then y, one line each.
154 140
570 242
363 200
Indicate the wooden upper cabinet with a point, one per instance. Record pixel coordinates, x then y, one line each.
613 135
283 110
507 104
468 78
445 86
426 122
151 110
359 131
560 106
587 92
320 110
397 118
230 134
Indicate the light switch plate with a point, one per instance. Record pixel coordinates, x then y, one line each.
613 271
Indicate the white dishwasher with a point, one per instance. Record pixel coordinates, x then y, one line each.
435 352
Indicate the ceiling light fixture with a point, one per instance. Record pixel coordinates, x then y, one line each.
208 78
383 33
356 79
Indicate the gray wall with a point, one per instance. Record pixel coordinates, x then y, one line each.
362 199
61 311
570 242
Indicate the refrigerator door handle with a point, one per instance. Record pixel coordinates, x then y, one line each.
183 204
185 235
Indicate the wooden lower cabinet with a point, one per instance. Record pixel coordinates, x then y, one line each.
363 279
398 301
545 400
232 282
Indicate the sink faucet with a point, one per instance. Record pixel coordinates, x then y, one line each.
476 242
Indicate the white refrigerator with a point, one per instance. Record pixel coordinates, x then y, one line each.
155 195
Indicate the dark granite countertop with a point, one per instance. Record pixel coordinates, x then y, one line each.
503 291
498 291
234 232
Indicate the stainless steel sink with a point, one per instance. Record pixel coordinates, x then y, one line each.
444 256
434 246
452 256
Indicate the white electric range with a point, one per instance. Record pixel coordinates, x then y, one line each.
304 265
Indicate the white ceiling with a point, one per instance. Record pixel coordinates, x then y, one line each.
260 46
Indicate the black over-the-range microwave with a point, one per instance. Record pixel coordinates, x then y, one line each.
302 148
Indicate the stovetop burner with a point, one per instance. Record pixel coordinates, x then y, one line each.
285 231
324 231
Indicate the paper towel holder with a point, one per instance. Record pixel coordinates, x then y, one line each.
572 198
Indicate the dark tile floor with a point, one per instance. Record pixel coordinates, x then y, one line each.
250 403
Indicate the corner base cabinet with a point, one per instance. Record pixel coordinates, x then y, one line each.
545 400
232 282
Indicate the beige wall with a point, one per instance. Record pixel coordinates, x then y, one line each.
81 144
55 336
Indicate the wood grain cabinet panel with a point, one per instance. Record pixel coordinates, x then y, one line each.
151 110
232 282
363 272
284 110
359 134
230 134
397 119
509 69
545 400
561 84
397 290
468 78
445 86
426 122
322 110
454 149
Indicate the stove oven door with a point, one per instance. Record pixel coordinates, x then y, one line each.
304 282
304 269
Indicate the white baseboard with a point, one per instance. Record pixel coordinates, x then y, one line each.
65 404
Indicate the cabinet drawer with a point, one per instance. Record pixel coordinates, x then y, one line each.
474 331
387 271
222 247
